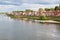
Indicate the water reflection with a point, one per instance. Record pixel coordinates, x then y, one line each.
48 33
14 29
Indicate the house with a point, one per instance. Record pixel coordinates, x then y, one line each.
17 13
57 12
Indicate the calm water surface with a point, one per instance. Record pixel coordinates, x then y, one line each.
12 29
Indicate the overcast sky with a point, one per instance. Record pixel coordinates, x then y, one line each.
10 5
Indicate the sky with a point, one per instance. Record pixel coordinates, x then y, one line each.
12 5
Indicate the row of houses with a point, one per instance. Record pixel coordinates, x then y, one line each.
52 13
37 13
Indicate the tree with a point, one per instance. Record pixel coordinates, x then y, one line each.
47 9
56 8
52 9
40 11
28 10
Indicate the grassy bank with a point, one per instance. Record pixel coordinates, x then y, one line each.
54 18
12 16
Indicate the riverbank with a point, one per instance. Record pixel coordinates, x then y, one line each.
47 21
40 19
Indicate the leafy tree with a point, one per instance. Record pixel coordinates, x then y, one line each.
56 8
40 11
28 10
52 9
47 9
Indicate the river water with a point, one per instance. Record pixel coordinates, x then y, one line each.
13 29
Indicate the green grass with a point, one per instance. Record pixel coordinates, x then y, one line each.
36 17
12 16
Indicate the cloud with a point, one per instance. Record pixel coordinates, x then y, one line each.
10 5
9 8
36 6
8 2
11 2
19 2
41 1
49 1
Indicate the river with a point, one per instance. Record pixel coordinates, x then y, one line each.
13 29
